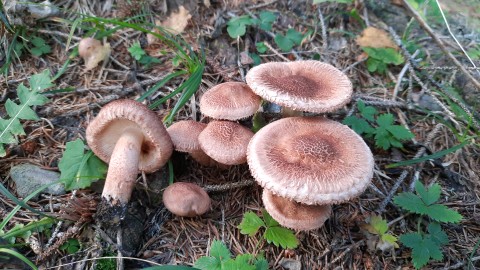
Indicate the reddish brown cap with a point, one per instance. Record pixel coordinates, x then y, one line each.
184 135
310 160
310 85
293 215
225 142
120 115
229 101
186 199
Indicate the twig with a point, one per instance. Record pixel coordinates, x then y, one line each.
276 52
400 77
228 186
429 30
346 251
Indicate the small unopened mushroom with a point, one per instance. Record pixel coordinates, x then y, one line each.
186 199
229 101
184 135
225 142
294 215
130 137
310 85
93 52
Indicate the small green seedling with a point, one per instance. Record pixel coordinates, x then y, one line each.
40 46
141 56
71 246
426 245
261 47
383 130
221 259
266 19
11 127
379 58
79 169
237 27
274 233
378 226
290 39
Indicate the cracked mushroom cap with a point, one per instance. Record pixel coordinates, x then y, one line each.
186 199
230 101
120 115
310 85
311 160
294 215
226 142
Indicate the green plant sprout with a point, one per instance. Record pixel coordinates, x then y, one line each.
71 246
426 245
291 38
379 58
273 232
378 226
221 259
11 127
141 56
383 130
40 47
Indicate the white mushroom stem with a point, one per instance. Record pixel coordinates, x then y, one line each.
289 112
123 167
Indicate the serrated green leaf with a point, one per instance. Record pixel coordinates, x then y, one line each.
136 51
442 213
40 81
10 128
295 36
208 263
269 221
261 264
79 169
400 132
281 237
30 98
437 234
382 138
410 239
220 251
368 112
385 120
411 203
283 42
389 239
379 224
250 224
429 196
359 125
22 111
384 55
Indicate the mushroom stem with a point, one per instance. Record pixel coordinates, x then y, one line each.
123 167
289 112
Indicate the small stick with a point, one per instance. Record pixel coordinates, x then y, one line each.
228 186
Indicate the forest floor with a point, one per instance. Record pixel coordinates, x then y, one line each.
428 94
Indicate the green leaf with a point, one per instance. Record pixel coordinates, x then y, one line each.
367 112
400 132
266 20
281 237
71 246
20 111
442 213
384 55
284 43
136 51
237 27
372 64
261 47
385 120
208 263
40 82
79 169
389 239
383 138
220 251
261 264
429 196
256 59
250 224
359 125
333 1
40 46
411 203
269 221
437 234
295 36
422 248
379 224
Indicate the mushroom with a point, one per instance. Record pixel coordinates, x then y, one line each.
229 101
186 199
310 85
225 142
294 215
184 135
130 137
92 51
311 160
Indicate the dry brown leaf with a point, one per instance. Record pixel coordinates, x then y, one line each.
177 21
375 38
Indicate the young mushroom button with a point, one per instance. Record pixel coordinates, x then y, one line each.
130 137
310 160
310 85
92 51
186 199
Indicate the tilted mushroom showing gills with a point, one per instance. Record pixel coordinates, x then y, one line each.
92 51
186 199
130 137
294 215
311 160
230 101
311 86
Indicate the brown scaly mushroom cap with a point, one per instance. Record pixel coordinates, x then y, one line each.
229 101
184 135
186 199
130 137
310 85
310 160
226 142
293 215
92 51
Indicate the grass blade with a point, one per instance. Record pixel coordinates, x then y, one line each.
29 227
160 84
425 158
19 256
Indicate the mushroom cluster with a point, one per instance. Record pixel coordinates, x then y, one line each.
305 164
